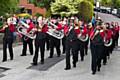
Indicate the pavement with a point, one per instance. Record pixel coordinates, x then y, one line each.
20 68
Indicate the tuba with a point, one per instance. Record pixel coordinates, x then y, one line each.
22 29
53 32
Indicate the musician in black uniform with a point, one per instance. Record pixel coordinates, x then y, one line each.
97 48
8 30
26 40
40 43
71 45
54 42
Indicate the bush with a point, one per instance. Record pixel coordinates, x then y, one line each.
85 10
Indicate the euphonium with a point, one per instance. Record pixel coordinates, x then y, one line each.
109 42
53 32
82 37
22 29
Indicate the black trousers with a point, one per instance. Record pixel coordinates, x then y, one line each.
86 47
39 44
7 43
30 44
106 54
63 43
54 42
96 53
71 46
47 42
81 46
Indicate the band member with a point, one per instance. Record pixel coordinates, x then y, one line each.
64 23
54 42
26 40
97 47
71 44
40 43
107 37
117 33
8 30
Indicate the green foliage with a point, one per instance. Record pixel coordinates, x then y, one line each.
8 6
85 10
48 13
63 7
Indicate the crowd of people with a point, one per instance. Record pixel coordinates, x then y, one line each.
77 35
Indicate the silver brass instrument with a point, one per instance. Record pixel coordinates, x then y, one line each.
83 38
53 32
22 29
107 43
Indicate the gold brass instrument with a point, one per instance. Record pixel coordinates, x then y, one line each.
53 32
22 29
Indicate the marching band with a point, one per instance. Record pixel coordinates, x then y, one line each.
74 33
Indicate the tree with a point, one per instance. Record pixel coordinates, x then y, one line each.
85 10
63 7
8 6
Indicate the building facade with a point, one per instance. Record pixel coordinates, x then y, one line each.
31 8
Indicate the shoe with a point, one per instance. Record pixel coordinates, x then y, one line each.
98 69
58 55
93 73
67 68
50 57
74 65
82 59
31 54
23 55
34 64
42 62
4 60
104 63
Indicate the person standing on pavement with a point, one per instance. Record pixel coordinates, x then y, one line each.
71 44
26 40
40 42
97 47
8 30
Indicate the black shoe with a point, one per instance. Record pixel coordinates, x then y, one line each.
98 69
58 55
4 60
93 73
11 58
31 54
74 65
42 62
104 63
67 68
50 57
23 55
34 64
82 59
